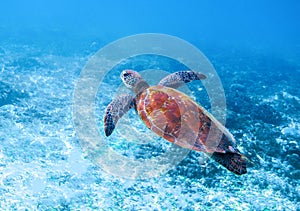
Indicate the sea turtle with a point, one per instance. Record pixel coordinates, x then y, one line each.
174 116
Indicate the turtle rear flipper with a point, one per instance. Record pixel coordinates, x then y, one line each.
234 162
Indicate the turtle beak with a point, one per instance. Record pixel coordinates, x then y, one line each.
123 76
126 77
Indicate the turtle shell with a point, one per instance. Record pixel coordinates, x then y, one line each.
177 118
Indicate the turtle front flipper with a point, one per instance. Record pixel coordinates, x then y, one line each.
115 110
177 79
235 162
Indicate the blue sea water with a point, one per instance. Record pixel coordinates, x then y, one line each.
254 47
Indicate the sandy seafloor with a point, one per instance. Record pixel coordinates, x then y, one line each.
42 166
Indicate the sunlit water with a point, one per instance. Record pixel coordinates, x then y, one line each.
42 166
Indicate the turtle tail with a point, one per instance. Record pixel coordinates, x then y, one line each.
234 162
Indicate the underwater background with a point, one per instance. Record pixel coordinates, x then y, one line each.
255 49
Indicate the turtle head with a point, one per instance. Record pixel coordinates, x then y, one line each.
130 78
133 80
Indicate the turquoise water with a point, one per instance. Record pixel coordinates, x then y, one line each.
44 47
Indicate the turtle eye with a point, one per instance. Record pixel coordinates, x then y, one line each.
126 74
